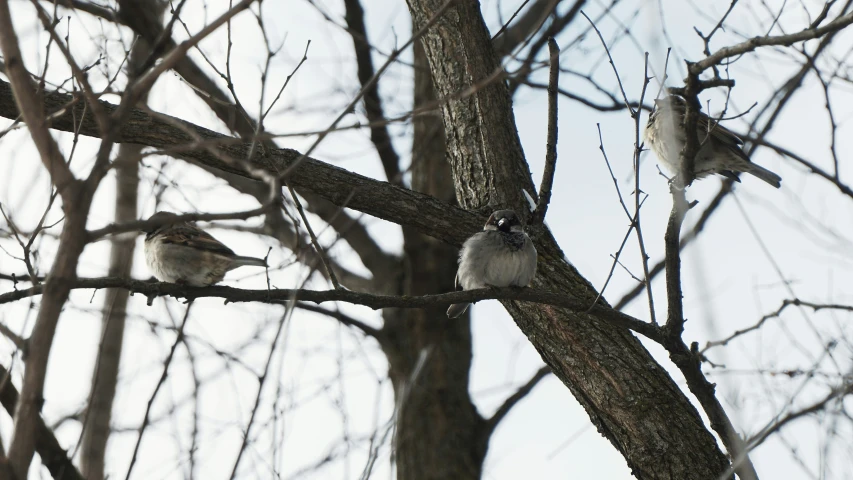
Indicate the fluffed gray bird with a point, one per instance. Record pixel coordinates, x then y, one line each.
183 253
502 255
719 151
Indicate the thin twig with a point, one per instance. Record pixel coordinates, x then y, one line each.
778 312
638 149
612 64
755 42
515 14
370 84
320 251
839 392
344 319
163 376
261 381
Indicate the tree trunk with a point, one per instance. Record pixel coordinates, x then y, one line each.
629 397
96 426
438 429
105 377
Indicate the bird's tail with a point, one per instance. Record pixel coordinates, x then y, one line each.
765 175
457 309
244 261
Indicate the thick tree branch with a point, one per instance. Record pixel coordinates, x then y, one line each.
90 8
490 169
341 187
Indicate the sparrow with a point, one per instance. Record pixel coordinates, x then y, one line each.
719 151
502 255
185 254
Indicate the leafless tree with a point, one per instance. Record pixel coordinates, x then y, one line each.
440 159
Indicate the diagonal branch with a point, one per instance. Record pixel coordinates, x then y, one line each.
513 399
146 81
344 319
75 204
341 187
372 103
29 104
53 456
510 37
755 42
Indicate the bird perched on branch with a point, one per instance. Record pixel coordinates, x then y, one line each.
502 255
719 149
183 253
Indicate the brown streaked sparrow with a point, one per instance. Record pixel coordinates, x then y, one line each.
719 149
183 253
502 255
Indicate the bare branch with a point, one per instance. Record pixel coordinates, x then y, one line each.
785 304
276 296
372 103
686 239
512 400
380 199
146 225
163 376
146 81
344 319
321 252
261 381
836 393
52 455
551 143
755 42
688 360
30 105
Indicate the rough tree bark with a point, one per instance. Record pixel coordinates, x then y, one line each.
629 397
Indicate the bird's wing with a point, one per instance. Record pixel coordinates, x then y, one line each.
197 238
456 283
722 135
717 131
